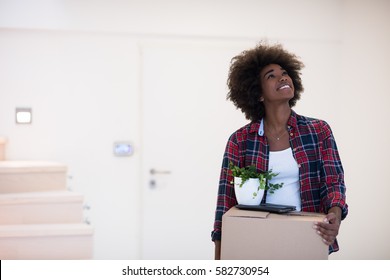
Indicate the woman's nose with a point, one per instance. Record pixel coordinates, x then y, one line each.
283 78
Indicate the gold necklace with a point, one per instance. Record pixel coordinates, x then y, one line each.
277 138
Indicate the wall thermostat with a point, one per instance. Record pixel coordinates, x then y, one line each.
123 149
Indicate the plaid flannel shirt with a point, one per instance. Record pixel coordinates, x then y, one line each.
321 174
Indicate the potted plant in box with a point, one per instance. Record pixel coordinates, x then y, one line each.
249 185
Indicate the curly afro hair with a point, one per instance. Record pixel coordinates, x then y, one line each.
244 77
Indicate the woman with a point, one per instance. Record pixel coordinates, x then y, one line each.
265 84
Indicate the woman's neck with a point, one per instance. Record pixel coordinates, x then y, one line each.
277 118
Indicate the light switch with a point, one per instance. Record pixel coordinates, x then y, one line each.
23 115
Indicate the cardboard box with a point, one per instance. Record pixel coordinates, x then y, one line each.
249 235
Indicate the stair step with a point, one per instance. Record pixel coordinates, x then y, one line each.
46 241
31 176
3 141
41 207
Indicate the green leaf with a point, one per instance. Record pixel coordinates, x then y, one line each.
248 172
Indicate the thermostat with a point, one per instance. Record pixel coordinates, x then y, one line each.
123 149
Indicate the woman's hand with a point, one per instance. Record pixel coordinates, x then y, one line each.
329 228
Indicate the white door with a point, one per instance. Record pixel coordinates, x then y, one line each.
186 121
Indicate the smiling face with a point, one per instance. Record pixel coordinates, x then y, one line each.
276 84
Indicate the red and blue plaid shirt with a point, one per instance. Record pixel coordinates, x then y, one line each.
321 174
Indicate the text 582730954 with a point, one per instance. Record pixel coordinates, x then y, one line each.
241 270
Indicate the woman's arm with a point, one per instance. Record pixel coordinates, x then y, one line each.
334 199
329 228
226 197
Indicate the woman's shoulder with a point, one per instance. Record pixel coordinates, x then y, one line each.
301 119
242 133
318 126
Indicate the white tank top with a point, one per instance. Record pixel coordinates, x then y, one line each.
283 162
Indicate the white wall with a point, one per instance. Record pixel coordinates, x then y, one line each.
365 133
76 63
83 92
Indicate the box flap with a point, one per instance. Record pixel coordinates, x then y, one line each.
235 212
308 216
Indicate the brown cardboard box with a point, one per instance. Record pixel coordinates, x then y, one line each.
248 235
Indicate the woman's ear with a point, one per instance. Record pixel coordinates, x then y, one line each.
261 99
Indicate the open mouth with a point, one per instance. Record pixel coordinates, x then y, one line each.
284 87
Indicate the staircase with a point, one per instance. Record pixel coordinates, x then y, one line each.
39 218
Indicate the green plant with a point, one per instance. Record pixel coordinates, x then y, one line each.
248 172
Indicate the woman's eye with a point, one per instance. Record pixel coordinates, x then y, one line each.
270 76
285 73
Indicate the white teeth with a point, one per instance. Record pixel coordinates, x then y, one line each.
285 86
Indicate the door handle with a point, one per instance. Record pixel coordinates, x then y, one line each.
159 172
